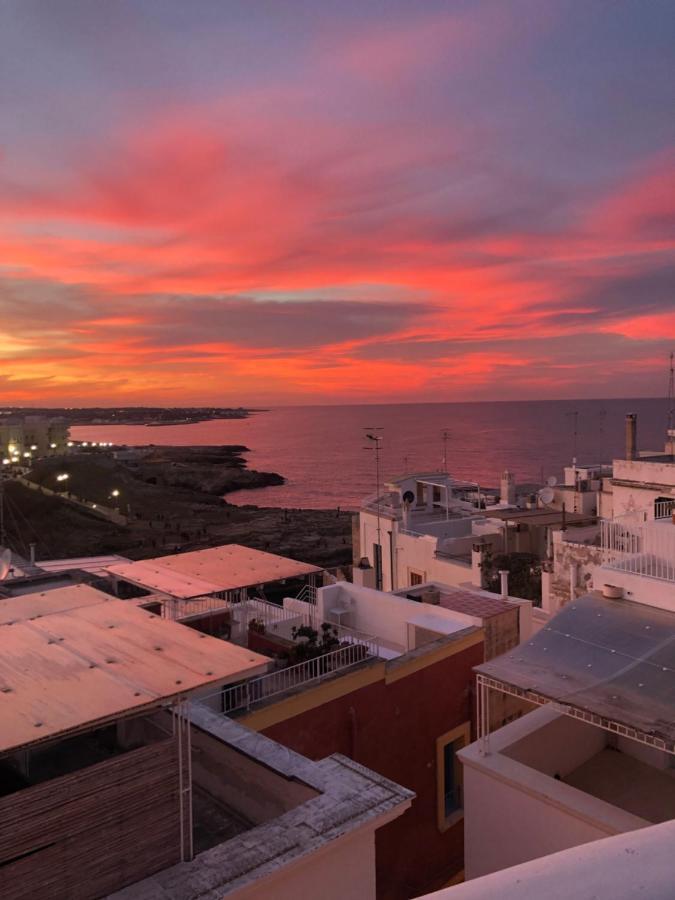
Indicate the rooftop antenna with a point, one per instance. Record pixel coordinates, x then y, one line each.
575 419
445 435
3 536
375 439
671 395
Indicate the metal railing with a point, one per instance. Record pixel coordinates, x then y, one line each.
240 697
639 549
354 636
663 509
307 594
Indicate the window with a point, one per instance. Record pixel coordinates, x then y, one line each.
449 776
416 578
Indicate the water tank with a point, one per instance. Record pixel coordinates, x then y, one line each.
431 595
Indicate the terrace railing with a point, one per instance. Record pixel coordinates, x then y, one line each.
639 549
240 697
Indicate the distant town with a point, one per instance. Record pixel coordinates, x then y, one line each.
130 415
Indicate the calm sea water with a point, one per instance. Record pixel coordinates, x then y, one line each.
320 449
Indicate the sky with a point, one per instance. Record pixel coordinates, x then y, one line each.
292 202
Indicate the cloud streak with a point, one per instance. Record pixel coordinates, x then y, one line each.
343 222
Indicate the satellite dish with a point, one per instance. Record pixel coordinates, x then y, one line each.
408 497
551 481
5 563
546 495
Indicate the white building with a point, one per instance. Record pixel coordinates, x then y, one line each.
597 758
29 437
645 480
423 528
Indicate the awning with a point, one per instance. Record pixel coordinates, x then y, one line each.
612 659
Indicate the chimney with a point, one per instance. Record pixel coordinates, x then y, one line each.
631 436
507 489
504 583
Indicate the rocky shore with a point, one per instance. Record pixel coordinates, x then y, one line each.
172 498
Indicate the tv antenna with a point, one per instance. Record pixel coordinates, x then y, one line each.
671 395
373 437
574 414
3 536
445 436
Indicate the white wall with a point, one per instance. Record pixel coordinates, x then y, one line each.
514 813
639 588
629 497
383 615
417 553
345 870
609 868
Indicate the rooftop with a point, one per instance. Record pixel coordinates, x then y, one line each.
473 603
78 667
345 796
226 568
612 659
45 603
623 866
539 516
96 565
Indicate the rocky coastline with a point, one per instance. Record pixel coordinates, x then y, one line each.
173 499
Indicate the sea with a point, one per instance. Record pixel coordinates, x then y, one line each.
328 462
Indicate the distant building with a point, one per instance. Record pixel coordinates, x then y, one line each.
24 438
423 528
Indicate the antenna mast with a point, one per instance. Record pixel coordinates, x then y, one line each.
671 396
575 418
372 435
445 435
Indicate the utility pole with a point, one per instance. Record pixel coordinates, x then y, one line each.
375 439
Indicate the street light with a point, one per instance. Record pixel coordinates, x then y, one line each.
64 476
115 493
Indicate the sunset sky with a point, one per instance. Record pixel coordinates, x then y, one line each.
334 201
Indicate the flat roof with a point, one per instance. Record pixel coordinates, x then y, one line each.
198 572
471 603
539 516
96 565
81 667
614 659
45 603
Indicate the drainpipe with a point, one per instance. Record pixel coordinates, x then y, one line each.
504 579
353 731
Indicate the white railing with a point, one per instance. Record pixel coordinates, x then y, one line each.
242 696
307 594
639 549
381 504
353 636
